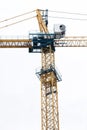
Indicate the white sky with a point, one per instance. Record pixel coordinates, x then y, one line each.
19 86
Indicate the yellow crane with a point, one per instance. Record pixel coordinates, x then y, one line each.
45 43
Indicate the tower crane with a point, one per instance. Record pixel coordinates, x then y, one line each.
45 43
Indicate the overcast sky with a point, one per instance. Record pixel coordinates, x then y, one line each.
19 86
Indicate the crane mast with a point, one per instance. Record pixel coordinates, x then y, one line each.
49 92
48 77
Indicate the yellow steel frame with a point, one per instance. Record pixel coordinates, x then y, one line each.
49 93
27 43
15 43
41 23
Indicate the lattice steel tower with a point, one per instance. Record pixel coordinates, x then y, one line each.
44 42
49 92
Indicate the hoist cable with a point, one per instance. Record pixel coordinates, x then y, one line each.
17 16
70 18
17 22
63 12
